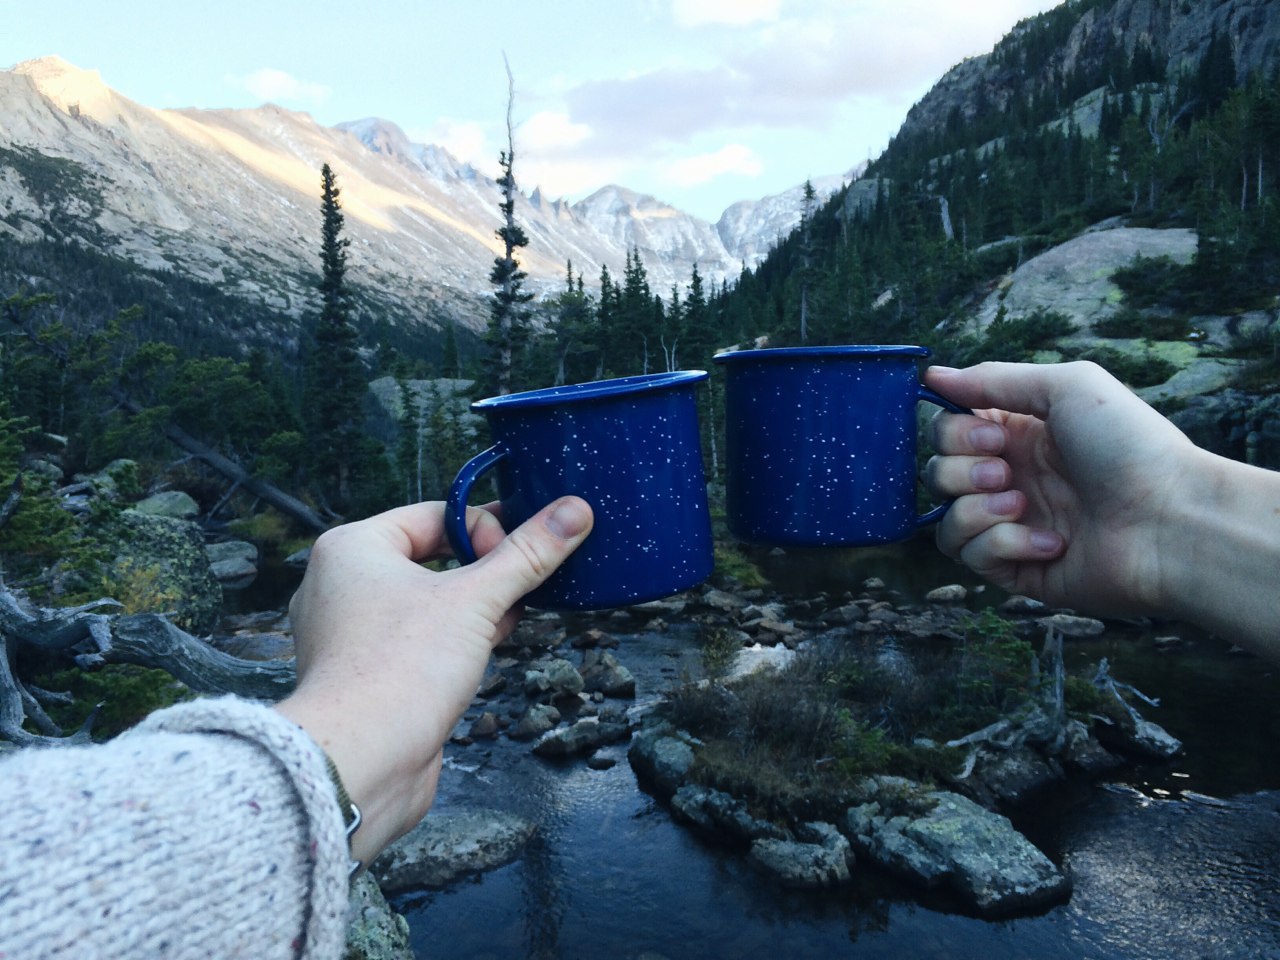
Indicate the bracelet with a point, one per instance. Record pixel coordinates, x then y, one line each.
350 813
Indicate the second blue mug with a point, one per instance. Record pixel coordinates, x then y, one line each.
820 444
630 447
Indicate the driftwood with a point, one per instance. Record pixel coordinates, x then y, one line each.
90 638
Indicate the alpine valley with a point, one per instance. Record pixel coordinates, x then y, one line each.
229 199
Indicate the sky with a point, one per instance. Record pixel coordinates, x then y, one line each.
699 103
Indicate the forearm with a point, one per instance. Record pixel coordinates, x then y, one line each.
209 831
1220 553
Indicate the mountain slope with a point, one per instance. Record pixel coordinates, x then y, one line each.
231 197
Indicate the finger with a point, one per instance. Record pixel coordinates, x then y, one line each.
1030 388
959 433
957 476
993 550
973 515
534 550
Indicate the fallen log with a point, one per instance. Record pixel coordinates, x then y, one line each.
89 639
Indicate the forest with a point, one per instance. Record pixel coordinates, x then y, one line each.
119 361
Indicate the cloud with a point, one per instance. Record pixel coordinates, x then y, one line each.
550 132
277 86
466 140
734 158
737 13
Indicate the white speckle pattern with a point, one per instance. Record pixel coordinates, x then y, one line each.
821 445
633 452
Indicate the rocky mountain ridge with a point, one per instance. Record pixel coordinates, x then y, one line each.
1177 29
230 197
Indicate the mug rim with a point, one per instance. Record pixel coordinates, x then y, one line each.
814 353
591 390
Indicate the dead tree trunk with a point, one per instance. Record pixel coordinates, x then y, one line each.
89 638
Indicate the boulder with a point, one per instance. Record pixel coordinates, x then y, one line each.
553 680
160 564
375 931
601 672
537 720
821 859
661 757
447 847
951 593
585 736
972 851
722 815
233 563
169 503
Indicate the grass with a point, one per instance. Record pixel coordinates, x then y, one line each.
796 742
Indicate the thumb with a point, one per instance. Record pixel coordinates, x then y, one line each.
533 551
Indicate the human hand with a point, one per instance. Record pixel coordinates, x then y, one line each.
390 653
1065 484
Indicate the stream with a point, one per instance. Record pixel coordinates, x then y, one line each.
1177 859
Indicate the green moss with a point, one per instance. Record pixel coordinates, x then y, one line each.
127 694
731 562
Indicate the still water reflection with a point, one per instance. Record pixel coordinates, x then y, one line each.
1169 860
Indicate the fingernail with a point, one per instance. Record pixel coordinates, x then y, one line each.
1046 541
568 519
987 475
945 371
987 438
1003 504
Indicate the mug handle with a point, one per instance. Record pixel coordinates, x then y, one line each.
455 511
924 393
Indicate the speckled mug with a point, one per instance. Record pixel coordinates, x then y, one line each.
820 444
630 448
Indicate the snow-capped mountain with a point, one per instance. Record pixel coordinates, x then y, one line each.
231 197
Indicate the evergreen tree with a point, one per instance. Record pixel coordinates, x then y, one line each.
334 375
509 317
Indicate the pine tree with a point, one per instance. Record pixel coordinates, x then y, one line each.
509 317
335 380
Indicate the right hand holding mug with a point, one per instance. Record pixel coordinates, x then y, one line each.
1072 490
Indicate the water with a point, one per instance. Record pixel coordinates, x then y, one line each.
1177 859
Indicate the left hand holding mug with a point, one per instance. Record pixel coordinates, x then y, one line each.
390 654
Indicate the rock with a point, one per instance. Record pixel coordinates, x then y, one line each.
1074 278
873 585
661 758
233 563
299 559
1021 606
820 860
974 852
492 685
1167 642
601 672
1072 626
722 601
553 680
585 736
951 593
848 613
169 503
375 931
537 720
446 847
485 727
601 761
162 563
1011 776
721 815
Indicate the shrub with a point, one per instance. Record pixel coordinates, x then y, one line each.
1139 324
1145 370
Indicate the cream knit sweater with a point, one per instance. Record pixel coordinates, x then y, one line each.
211 830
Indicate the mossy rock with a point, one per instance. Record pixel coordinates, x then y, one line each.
160 566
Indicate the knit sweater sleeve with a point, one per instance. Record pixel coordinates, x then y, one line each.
210 830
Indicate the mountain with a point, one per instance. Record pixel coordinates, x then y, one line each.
1081 37
230 198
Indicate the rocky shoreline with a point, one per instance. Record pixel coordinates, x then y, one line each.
558 689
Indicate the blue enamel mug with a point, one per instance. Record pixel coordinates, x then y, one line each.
630 447
820 444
